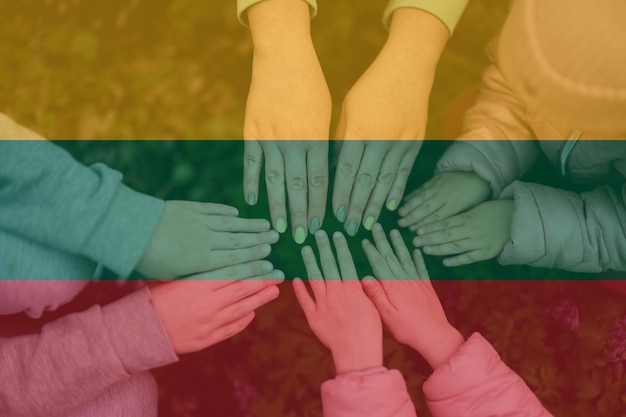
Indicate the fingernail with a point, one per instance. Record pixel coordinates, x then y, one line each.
250 199
266 248
314 225
428 249
281 226
234 212
274 236
264 225
369 222
337 235
378 227
278 275
352 228
300 235
402 222
395 233
307 250
341 214
417 241
392 205
267 266
421 231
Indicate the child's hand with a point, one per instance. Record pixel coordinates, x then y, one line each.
340 314
406 300
444 195
198 237
202 310
478 234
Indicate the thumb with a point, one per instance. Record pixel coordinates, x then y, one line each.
376 293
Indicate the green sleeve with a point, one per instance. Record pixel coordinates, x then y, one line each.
242 6
448 11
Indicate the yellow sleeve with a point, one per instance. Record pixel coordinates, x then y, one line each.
448 11
242 6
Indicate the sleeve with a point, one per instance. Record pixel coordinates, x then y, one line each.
79 357
448 11
496 144
554 228
380 393
243 5
49 197
476 383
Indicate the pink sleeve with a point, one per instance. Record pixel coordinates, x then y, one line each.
382 394
475 382
77 358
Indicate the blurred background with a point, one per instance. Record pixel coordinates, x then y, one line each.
129 82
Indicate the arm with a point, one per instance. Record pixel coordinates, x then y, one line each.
362 383
554 228
466 373
288 99
78 357
389 102
465 384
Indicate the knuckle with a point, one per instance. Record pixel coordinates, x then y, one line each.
232 258
365 180
347 170
390 258
447 235
380 262
403 172
457 246
252 160
386 178
296 184
405 261
356 208
274 177
328 265
317 181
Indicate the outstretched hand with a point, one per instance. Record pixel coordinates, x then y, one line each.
339 313
199 237
406 299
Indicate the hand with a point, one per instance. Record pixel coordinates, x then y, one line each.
301 166
389 102
478 234
340 314
205 309
406 300
288 99
444 195
198 237
368 173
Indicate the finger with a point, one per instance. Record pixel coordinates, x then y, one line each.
327 259
418 259
452 234
306 301
295 163
275 182
375 292
444 213
452 248
430 208
381 189
236 224
317 167
316 280
243 288
252 161
386 252
363 186
222 258
231 329
344 257
347 167
416 199
449 223
403 254
377 262
224 276
249 304
402 176
227 240
465 258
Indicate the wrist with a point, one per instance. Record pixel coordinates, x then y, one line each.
419 35
367 357
280 24
440 346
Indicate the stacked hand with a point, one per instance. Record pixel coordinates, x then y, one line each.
198 237
345 320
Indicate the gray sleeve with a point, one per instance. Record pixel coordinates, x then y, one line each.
553 228
47 196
